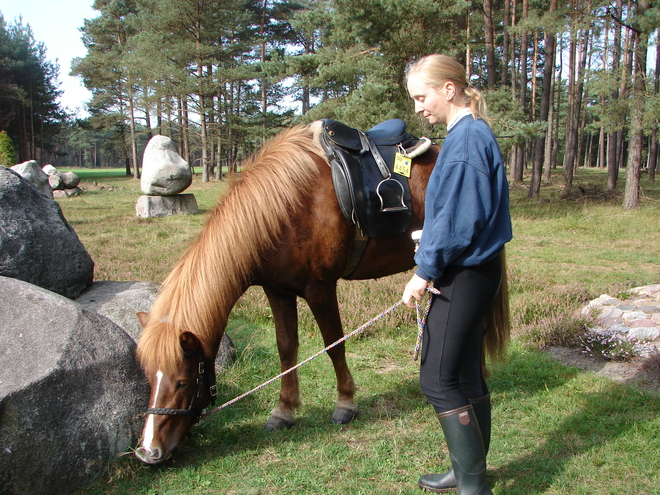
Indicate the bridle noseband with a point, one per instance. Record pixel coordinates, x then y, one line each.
205 381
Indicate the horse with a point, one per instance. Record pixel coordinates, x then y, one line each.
279 227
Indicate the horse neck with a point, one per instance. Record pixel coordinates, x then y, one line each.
204 286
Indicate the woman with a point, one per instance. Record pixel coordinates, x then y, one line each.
466 225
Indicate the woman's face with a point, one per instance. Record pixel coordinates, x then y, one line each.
431 102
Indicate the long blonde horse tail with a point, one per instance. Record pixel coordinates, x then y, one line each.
497 329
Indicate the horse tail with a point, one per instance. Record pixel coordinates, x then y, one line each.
497 326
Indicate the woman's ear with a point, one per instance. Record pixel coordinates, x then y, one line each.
449 89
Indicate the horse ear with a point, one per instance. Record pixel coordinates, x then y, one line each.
143 318
189 342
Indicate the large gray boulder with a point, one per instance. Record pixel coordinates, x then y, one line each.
37 244
164 172
70 392
32 172
120 301
163 206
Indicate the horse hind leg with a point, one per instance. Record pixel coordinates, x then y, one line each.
285 315
322 300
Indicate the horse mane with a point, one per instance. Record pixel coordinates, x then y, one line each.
199 293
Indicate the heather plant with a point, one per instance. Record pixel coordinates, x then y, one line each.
612 346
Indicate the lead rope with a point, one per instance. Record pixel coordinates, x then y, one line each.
421 322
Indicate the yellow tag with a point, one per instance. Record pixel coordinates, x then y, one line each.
402 165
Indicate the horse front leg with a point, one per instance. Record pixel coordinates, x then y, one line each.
322 300
285 315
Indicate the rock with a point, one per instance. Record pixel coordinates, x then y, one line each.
55 182
120 301
70 180
70 392
31 171
67 193
164 172
37 244
644 333
162 206
49 170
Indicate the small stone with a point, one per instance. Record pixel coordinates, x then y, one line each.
608 322
643 322
619 328
635 315
645 333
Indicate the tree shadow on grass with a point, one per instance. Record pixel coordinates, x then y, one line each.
602 417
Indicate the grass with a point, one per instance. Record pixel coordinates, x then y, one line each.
556 430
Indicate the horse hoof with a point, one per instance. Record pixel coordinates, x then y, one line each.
274 424
343 416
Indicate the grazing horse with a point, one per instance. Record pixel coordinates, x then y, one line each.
279 227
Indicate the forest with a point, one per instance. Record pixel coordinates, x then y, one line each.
569 84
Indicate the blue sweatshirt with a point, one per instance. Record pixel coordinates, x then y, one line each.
467 220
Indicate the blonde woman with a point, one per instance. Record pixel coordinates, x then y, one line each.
466 226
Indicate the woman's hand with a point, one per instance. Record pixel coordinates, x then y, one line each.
415 289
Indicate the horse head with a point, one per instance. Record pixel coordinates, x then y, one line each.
180 391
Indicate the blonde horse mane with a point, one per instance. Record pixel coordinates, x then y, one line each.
216 269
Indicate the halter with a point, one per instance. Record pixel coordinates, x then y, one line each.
205 381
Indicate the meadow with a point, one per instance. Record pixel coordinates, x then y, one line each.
556 429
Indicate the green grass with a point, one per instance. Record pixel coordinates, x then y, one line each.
556 430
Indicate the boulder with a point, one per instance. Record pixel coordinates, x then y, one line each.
37 244
55 182
70 180
164 172
31 171
67 193
49 170
120 301
162 206
70 392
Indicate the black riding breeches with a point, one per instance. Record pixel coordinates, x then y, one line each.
451 370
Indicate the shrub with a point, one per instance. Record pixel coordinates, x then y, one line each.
7 157
612 346
551 317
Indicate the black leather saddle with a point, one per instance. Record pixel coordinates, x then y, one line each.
370 194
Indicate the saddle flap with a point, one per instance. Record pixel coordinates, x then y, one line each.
343 135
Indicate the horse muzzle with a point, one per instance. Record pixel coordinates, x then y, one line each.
149 456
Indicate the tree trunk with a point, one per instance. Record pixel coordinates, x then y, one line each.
540 149
612 159
569 154
490 42
634 165
505 43
131 127
653 148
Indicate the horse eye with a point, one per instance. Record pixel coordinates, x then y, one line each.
182 384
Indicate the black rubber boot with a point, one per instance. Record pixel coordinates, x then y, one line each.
446 482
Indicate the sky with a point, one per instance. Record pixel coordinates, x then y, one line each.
56 25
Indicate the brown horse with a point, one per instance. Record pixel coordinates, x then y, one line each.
280 227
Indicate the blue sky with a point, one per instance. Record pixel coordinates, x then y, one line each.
56 25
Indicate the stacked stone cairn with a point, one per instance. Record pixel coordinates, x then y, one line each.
165 175
636 317
48 180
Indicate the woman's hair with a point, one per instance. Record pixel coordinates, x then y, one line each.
435 70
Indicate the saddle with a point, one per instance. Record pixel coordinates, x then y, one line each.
370 193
